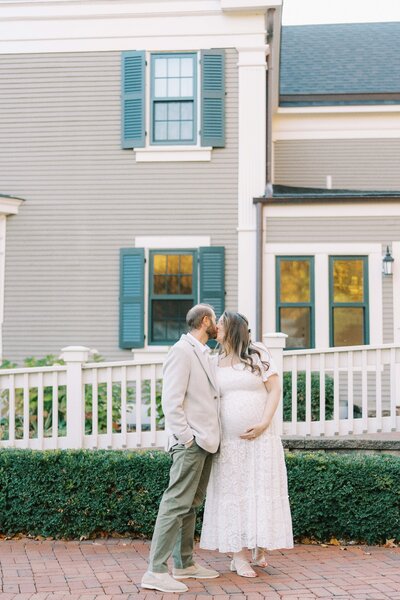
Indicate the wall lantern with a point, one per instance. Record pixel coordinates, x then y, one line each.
387 263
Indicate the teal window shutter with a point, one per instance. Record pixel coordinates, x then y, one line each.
213 98
131 300
212 277
133 99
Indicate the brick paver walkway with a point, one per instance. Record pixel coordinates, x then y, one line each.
112 569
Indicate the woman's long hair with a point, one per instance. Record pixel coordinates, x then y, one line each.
238 343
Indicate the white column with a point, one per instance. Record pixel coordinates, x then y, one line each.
2 277
75 357
251 171
276 342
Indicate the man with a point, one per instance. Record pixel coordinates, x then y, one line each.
190 402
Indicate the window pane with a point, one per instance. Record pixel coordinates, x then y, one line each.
160 130
160 284
160 88
186 67
186 111
186 86
173 67
186 263
348 280
296 323
160 263
173 284
295 281
186 284
348 326
160 67
169 319
173 88
173 263
187 130
173 130
173 111
160 111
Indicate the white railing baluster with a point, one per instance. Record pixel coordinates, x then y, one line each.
350 393
364 390
11 411
54 412
336 407
109 407
123 407
153 407
308 394
40 400
26 410
293 429
322 412
138 397
378 391
95 408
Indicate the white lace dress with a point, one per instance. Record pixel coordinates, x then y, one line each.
247 502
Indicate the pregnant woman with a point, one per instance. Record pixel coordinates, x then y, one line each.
247 505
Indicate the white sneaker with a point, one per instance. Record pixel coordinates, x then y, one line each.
196 571
162 582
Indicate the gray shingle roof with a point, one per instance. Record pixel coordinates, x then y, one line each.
351 58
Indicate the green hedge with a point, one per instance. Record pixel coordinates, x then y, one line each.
69 494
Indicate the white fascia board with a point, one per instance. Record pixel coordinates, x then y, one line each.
151 32
249 5
352 125
361 108
305 210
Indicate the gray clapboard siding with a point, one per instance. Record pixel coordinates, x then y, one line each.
86 198
364 164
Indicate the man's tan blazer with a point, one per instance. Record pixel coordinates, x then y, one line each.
190 397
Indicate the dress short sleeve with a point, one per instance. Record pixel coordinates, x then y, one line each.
266 357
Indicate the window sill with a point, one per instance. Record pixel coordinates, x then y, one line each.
173 154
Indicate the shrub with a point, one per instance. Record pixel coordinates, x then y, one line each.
70 494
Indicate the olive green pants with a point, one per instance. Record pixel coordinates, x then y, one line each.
176 520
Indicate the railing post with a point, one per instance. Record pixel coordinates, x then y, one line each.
276 342
74 357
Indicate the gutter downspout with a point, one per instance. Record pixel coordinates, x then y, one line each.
268 180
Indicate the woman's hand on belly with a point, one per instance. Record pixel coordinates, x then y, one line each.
253 432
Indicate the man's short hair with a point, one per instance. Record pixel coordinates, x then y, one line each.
196 315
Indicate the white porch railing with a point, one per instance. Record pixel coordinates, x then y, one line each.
342 391
117 404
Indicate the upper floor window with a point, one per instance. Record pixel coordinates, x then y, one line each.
173 98
184 106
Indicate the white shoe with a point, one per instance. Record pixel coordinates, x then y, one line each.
162 582
196 571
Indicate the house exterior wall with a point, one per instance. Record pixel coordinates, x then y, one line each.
363 164
86 198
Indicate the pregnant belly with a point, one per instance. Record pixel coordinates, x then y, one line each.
239 413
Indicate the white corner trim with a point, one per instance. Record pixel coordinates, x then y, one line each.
173 154
171 241
9 206
2 277
396 291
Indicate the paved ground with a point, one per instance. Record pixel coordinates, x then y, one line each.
112 569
